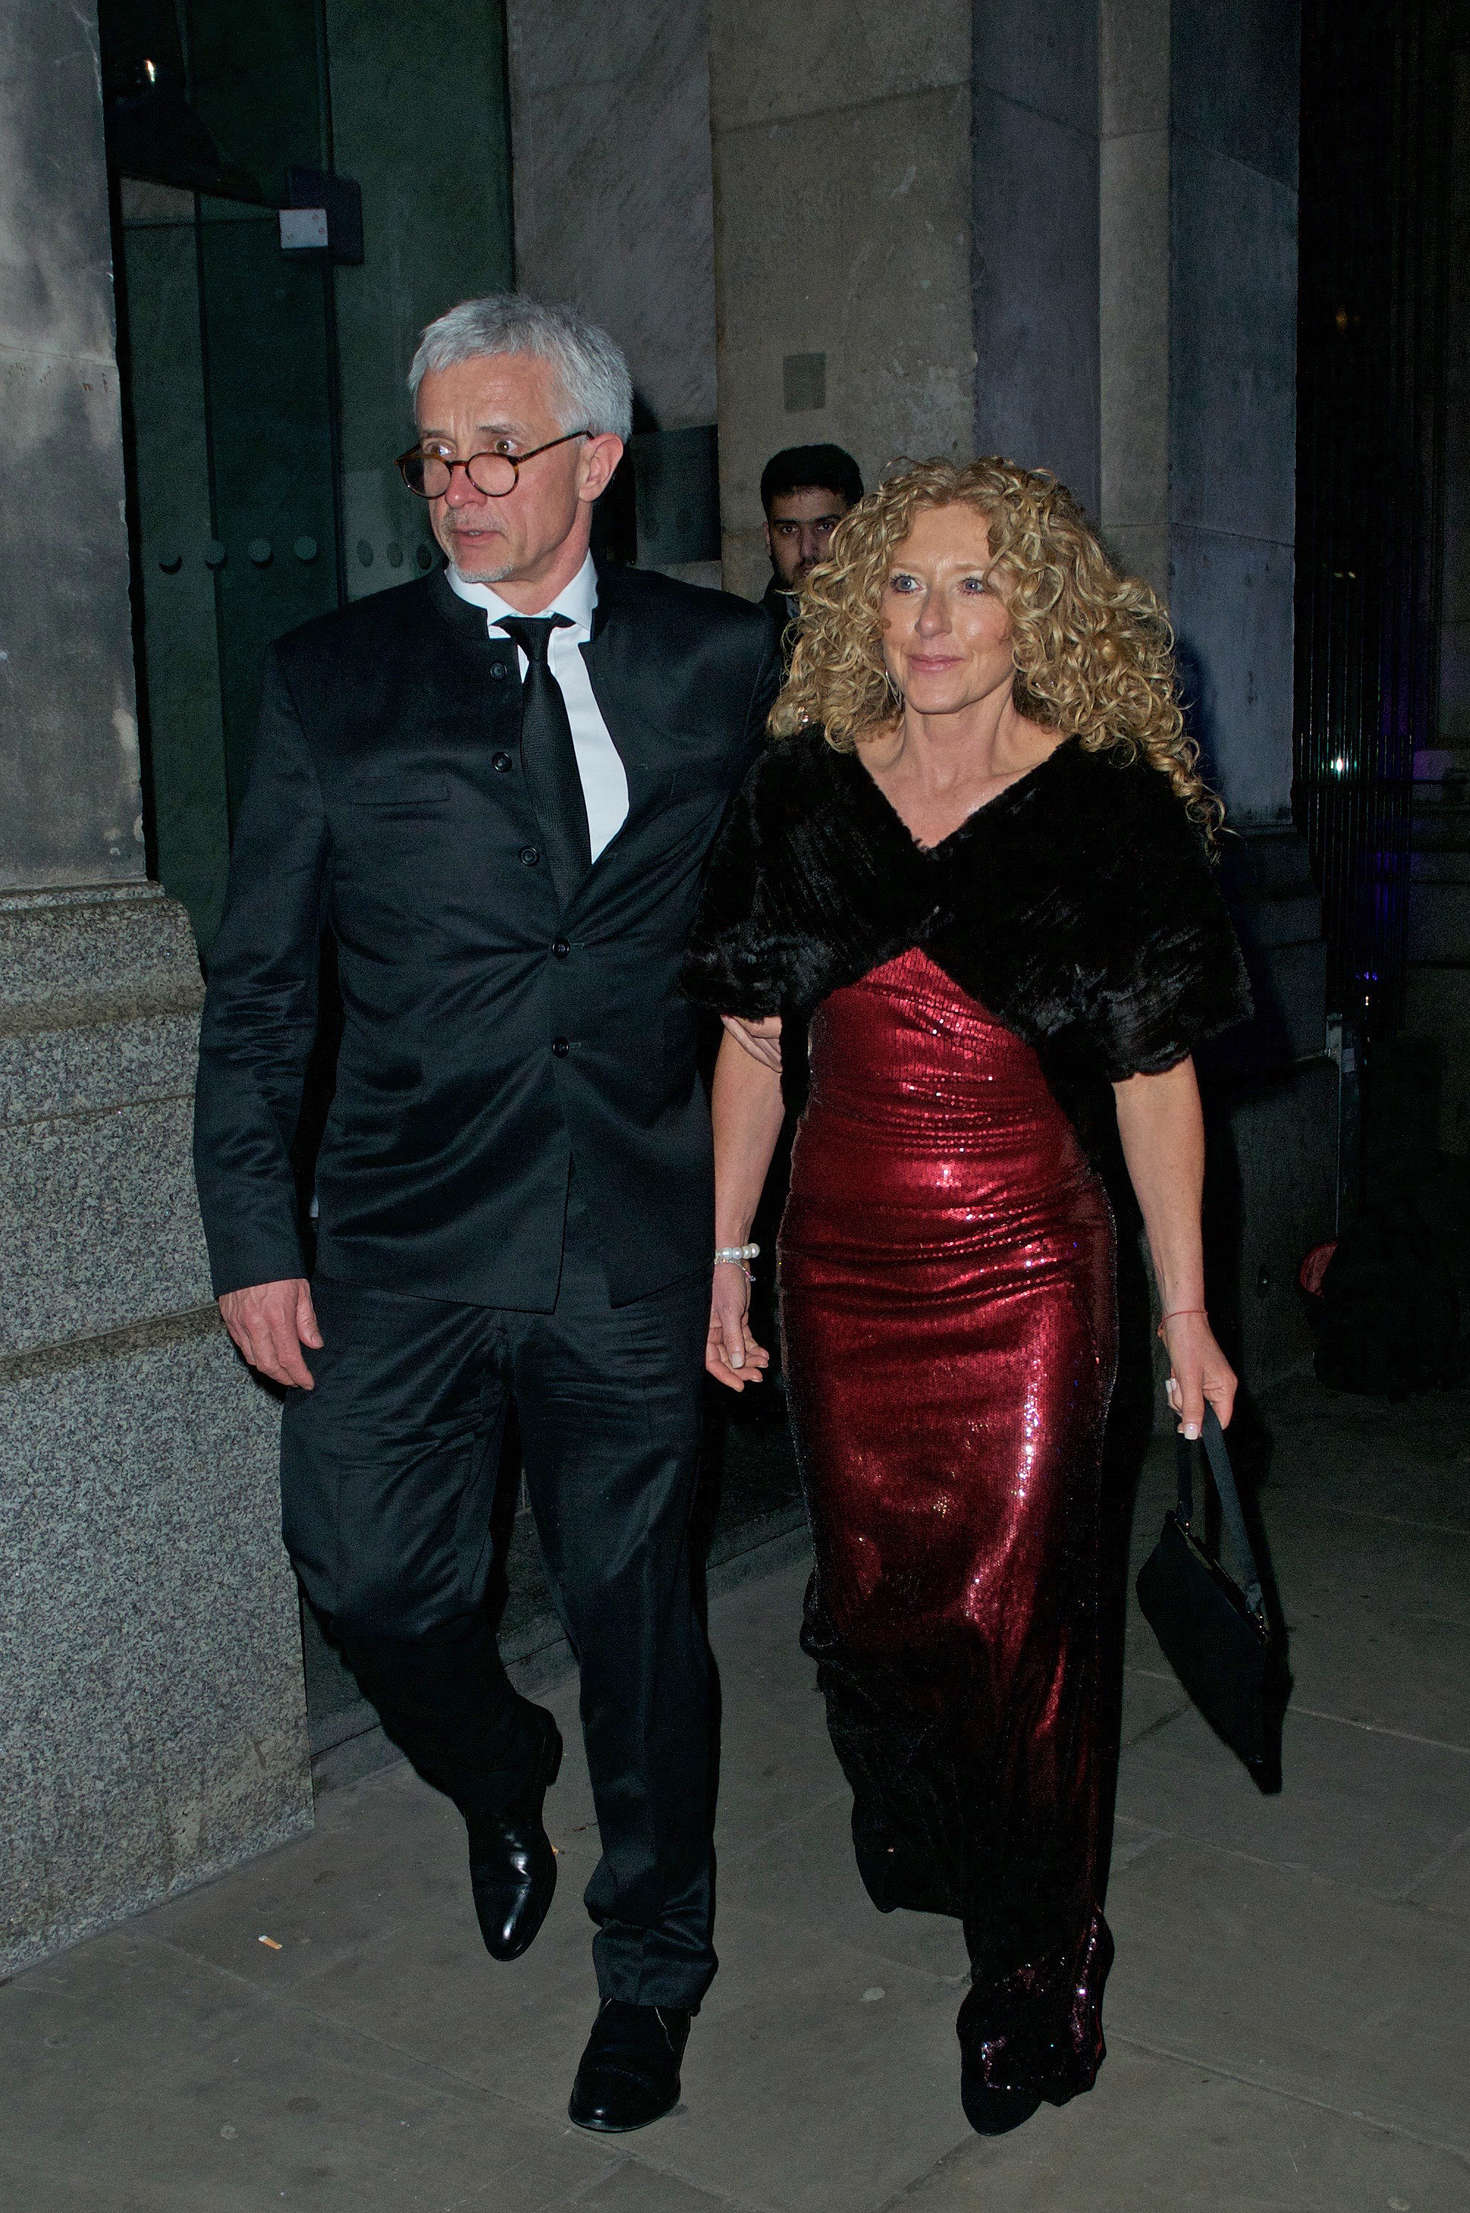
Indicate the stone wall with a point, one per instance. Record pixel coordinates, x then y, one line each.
153 1723
843 195
613 188
610 127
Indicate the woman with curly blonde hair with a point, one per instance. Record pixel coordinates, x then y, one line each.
975 863
1093 650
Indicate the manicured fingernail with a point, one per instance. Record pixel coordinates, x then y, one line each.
1191 1431
737 1360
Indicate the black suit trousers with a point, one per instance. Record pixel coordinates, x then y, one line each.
388 1476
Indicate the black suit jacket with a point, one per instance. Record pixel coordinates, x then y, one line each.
491 1034
784 609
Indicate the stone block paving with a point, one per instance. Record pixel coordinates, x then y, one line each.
1287 2021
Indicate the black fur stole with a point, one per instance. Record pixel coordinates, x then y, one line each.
1079 907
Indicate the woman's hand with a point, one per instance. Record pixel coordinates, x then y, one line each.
1199 1373
745 1105
762 1040
731 1354
1163 1136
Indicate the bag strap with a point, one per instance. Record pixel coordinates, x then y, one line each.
1212 1442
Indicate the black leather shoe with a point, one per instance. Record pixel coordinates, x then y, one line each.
629 2074
512 1865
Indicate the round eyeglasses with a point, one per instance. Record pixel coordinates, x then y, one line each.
429 475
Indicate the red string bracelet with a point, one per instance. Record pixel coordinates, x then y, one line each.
1159 1332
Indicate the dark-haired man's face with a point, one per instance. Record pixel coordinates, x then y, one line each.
797 531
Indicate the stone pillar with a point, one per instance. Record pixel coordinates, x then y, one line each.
842 240
1035 262
1437 995
153 1723
1198 387
1133 284
1197 318
69 806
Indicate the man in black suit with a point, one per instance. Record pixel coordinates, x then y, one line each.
495 787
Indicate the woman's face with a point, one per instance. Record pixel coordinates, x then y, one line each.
946 633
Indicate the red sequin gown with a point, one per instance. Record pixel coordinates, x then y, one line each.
948 1318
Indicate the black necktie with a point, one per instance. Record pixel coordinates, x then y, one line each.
548 756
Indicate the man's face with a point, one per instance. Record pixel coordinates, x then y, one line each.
797 530
508 403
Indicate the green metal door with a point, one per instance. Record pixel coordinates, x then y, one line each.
236 498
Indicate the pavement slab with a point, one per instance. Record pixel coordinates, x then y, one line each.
820 2079
1292 1982
635 2188
1445 1888
1160 2136
160 2084
1364 1806
1287 2020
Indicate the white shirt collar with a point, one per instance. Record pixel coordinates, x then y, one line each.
575 600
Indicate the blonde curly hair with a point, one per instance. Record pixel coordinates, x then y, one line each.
1093 649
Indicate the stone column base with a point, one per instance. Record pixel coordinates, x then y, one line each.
153 1729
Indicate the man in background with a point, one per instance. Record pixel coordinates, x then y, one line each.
805 491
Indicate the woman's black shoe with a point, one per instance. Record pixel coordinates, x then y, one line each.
629 2073
512 1864
992 2112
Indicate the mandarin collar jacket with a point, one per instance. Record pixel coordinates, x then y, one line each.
490 1034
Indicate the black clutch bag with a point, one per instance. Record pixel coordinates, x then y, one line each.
1213 1628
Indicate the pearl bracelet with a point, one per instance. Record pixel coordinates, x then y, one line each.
737 1253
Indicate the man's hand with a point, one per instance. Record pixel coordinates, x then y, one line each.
270 1322
762 1040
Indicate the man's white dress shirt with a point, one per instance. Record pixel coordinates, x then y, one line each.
604 779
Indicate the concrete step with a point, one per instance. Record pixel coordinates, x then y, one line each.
1432 764
1440 822
1440 863
1437 1005
1441 808
1439 921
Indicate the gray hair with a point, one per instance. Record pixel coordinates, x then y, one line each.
596 388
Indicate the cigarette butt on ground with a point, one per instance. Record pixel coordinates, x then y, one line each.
269 1942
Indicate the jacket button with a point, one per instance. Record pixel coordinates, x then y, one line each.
500 762
560 947
560 1047
498 672
530 854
